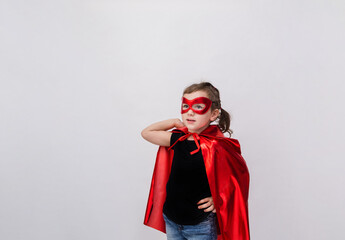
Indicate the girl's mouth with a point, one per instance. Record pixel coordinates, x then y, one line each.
190 120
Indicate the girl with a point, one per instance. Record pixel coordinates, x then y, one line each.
200 184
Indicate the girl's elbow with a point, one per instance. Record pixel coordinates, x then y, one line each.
144 134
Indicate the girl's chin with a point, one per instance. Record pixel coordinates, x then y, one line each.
192 130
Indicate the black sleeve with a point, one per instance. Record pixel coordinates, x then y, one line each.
174 137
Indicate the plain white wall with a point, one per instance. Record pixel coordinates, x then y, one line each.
81 79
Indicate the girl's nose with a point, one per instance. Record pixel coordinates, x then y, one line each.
190 112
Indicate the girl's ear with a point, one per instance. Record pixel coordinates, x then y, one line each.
214 115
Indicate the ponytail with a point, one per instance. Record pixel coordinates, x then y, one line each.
224 121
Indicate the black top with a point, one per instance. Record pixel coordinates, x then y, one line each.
187 184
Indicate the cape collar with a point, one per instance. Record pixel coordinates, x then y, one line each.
212 131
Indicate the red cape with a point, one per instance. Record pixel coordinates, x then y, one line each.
228 178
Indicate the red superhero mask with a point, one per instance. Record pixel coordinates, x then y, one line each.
198 105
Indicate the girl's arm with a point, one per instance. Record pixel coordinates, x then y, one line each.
158 134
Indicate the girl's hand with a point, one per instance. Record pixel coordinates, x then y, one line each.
179 123
207 204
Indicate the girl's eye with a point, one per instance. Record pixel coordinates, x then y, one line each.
198 106
185 106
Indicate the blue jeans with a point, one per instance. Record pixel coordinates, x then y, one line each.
206 230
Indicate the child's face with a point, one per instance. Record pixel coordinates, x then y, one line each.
195 122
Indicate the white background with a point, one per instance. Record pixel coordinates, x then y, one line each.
81 79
